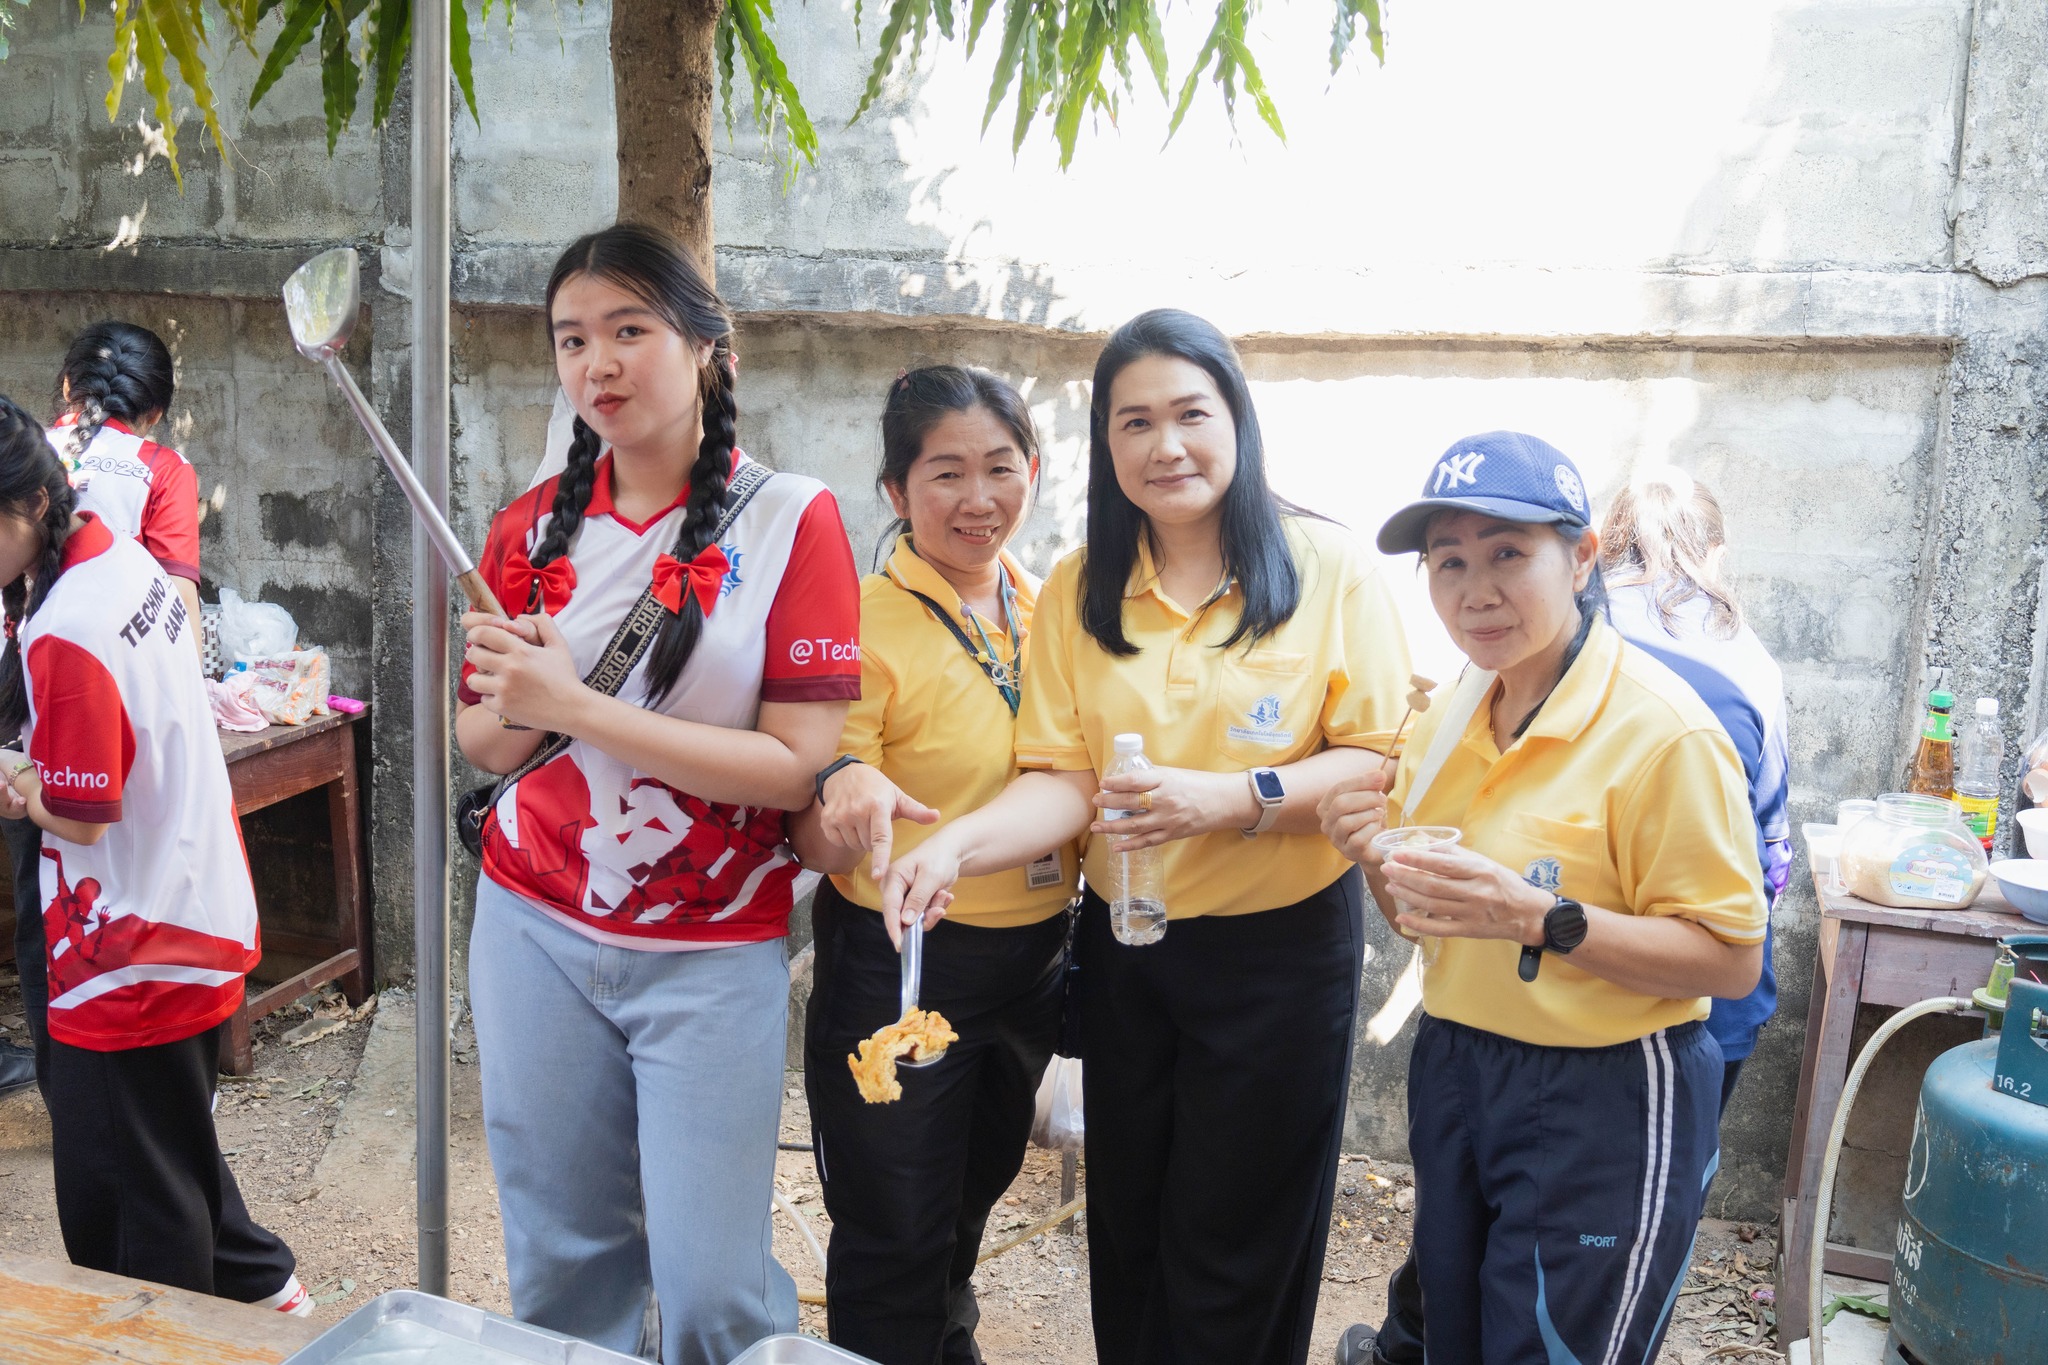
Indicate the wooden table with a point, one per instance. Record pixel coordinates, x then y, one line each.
1869 955
273 765
56 1314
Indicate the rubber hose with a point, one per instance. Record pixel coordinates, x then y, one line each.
1944 1004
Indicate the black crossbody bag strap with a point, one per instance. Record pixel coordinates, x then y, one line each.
628 644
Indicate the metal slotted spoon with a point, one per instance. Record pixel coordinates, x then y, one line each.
912 962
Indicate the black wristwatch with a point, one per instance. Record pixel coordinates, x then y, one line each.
1564 928
830 768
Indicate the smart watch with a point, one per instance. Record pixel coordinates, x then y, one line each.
826 772
1564 928
1271 796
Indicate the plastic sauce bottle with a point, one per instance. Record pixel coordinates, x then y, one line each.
1982 748
1137 884
1933 770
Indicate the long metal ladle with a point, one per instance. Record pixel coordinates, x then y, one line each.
322 299
912 955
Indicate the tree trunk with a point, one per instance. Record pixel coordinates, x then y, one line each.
664 82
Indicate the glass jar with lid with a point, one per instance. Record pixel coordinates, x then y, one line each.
1914 853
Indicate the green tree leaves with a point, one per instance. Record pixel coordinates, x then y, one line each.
1057 59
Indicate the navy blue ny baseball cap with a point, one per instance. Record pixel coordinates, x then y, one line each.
1501 473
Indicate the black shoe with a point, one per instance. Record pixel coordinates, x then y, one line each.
1355 1347
17 1069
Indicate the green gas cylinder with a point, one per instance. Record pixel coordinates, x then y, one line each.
1970 1274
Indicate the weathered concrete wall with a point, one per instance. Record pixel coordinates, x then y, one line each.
1796 249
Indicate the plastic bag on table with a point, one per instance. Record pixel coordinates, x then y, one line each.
254 629
1058 1125
290 688
233 706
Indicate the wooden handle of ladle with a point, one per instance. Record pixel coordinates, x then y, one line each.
479 593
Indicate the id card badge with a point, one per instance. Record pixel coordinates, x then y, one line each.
1043 873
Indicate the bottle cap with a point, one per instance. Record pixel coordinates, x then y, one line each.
1941 699
1129 744
1987 706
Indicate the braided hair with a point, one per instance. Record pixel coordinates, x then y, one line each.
652 265
28 466
113 370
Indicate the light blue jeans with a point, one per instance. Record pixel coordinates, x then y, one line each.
632 1102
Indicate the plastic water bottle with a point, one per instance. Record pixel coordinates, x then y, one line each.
1137 886
1983 754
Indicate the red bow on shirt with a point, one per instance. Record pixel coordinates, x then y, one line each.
556 582
700 578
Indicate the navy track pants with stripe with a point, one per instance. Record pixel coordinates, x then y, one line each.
1558 1191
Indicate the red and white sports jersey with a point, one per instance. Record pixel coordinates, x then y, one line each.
147 492
617 854
151 929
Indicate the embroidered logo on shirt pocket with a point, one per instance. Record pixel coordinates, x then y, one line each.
1558 856
1262 699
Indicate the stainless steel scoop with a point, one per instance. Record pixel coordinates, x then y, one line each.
912 961
322 300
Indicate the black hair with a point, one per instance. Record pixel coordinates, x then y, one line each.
1591 602
113 370
29 466
920 399
1255 551
653 266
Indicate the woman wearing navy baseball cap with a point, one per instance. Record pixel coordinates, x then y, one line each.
1562 1094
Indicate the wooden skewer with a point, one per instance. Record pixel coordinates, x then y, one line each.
1418 702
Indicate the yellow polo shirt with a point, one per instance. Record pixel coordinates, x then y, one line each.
931 721
1336 673
1625 793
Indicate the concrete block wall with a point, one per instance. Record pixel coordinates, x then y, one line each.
1793 249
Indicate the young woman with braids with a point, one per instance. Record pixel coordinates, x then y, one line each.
115 385
944 645
148 914
1564 1089
626 966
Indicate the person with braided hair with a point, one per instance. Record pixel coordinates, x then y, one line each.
115 385
626 966
145 891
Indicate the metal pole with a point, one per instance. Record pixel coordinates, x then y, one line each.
430 719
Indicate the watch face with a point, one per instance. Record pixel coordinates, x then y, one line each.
1268 785
1565 926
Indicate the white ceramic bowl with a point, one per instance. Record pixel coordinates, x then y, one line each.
2025 883
2034 828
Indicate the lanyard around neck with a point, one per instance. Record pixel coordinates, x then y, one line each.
1008 678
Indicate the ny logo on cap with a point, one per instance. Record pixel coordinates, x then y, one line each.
1454 471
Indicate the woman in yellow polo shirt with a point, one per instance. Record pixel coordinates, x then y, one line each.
1564 1091
1252 646
944 632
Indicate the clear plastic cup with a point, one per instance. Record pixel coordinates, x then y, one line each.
1413 837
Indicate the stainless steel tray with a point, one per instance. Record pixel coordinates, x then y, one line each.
405 1326
796 1350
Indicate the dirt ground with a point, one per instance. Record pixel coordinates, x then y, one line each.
350 1220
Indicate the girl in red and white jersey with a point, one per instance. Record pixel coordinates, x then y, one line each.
116 384
626 966
148 915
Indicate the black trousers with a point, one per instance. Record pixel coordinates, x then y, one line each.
909 1185
1216 1067
1401 1335
31 954
142 1188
